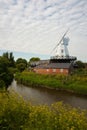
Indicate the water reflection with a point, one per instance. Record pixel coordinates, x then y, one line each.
48 96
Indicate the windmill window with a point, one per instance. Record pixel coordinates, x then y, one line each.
47 70
61 70
66 70
54 70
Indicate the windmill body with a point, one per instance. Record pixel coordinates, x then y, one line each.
62 50
62 53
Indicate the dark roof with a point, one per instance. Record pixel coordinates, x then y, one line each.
54 66
35 63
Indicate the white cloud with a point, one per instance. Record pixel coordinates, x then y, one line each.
36 26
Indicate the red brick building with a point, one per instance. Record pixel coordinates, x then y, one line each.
54 67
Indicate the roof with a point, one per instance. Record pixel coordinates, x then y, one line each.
35 63
54 66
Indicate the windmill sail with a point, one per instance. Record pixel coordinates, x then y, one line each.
60 41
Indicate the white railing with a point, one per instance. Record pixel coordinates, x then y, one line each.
64 57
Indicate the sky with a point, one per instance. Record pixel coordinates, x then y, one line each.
34 27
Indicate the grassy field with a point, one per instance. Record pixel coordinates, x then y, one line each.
16 114
74 83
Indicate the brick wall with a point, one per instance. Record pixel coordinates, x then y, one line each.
51 71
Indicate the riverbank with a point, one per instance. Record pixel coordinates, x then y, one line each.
15 114
72 83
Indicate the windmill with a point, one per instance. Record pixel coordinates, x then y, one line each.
63 43
62 54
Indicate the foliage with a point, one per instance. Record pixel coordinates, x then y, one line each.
2 85
20 60
4 63
6 75
16 114
30 78
35 59
74 83
80 64
10 58
21 64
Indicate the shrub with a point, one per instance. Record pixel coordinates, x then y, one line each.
16 114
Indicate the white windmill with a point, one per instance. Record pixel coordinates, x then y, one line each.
63 52
62 49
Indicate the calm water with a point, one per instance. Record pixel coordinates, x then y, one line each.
48 96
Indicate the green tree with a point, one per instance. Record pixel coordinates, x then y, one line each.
6 76
2 84
4 64
80 64
34 59
21 64
10 57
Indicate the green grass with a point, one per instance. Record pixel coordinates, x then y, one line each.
16 114
74 83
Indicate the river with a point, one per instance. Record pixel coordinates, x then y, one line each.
42 95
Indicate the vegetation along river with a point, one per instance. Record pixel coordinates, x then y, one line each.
44 95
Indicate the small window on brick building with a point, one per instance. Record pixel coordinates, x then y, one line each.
54 70
47 70
61 70
66 71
